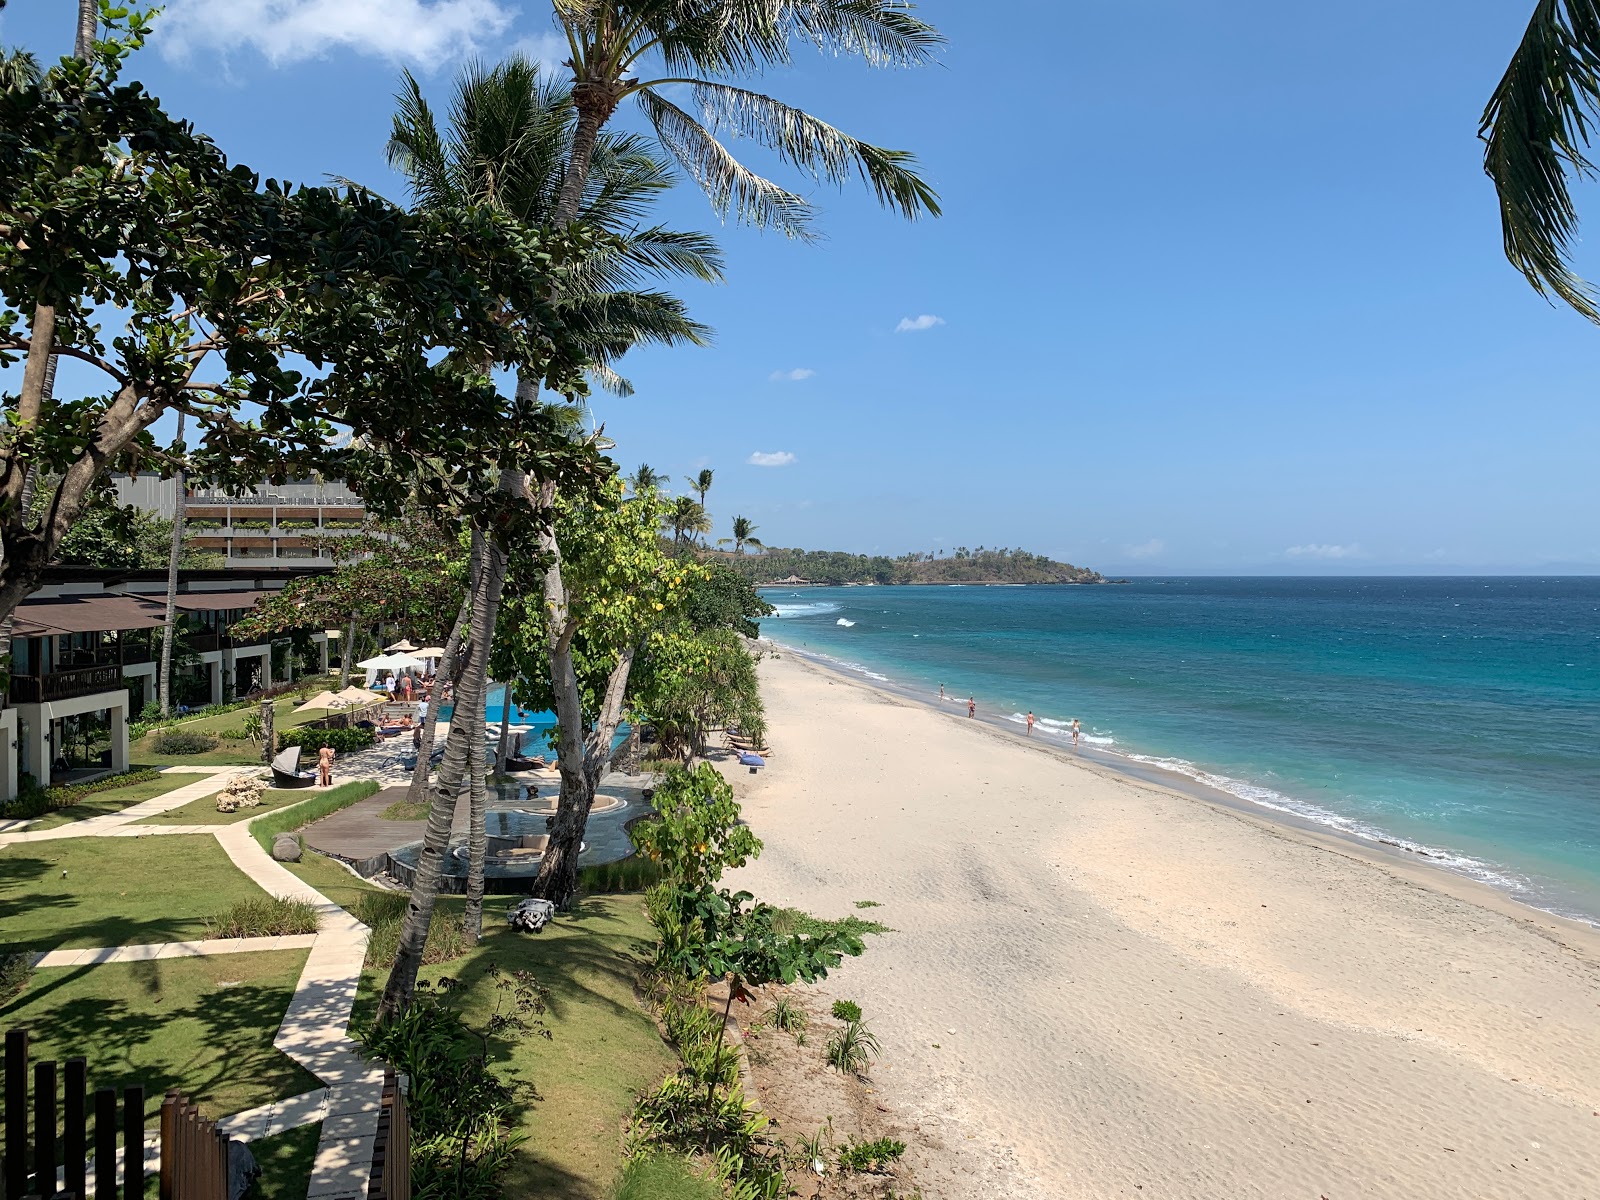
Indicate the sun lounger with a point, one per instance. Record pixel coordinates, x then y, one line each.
286 772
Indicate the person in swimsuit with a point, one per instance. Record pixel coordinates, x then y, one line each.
1030 722
325 766
972 707
1074 731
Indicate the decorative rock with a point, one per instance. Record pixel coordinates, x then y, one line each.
286 847
241 792
531 915
243 1170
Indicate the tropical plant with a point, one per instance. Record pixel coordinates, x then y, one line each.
646 479
846 1010
787 1015
182 741
18 69
870 1156
700 484
1536 138
744 534
701 44
509 139
685 518
851 1048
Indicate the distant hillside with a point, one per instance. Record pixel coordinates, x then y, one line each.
965 566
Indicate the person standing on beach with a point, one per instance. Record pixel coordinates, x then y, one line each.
972 707
941 693
325 766
1030 722
1074 732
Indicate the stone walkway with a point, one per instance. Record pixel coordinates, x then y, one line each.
313 1030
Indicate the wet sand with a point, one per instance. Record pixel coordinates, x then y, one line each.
1098 986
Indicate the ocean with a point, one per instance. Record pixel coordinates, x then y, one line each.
1456 719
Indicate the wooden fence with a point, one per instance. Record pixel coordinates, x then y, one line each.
194 1153
391 1151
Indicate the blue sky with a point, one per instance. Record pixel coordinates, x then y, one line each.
1216 290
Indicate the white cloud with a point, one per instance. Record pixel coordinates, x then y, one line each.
546 49
426 32
918 324
1317 550
1145 549
778 458
794 376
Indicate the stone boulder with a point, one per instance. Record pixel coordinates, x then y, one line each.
243 1170
286 847
242 791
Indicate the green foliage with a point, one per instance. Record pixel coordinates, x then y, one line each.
385 913
852 1048
697 833
109 534
786 1015
463 1113
793 920
870 1156
406 810
663 1176
676 1116
965 566
16 972
846 1010
36 801
632 874
314 808
343 741
721 598
688 682
267 916
182 741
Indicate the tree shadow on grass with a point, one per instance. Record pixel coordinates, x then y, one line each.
215 1046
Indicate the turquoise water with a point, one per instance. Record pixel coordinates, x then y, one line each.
1458 718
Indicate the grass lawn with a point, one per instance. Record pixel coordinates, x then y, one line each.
115 891
204 1025
98 804
226 753
204 810
285 1160
604 1046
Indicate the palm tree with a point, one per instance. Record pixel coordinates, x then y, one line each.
702 43
685 518
744 534
18 69
701 483
646 479
508 138
1536 135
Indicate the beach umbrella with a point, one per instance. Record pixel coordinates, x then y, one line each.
359 695
429 652
390 662
323 700
403 646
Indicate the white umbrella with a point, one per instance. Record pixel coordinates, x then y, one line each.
390 662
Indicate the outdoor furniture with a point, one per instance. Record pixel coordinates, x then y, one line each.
515 762
286 772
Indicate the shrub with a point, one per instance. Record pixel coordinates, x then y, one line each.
35 801
343 741
16 971
632 874
385 912
319 805
270 916
182 741
846 1010
786 1015
150 713
870 1156
852 1048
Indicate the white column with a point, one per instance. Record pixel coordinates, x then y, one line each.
9 749
117 711
38 749
216 681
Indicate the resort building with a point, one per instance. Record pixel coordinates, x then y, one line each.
85 650
267 527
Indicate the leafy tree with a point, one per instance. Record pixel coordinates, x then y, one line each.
718 597
113 214
115 535
1536 139
693 681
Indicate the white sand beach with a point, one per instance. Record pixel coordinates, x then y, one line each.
1097 987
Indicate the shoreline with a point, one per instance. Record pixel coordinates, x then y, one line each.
1102 985
1433 863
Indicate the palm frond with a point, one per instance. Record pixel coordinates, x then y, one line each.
727 182
884 33
815 146
1536 133
416 150
608 379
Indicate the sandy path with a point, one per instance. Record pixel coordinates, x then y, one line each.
1155 997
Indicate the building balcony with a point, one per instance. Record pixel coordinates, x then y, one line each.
65 685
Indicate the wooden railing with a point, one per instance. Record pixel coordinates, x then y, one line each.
53 1130
194 1153
391 1150
64 685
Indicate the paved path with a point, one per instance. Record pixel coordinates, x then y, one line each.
313 1030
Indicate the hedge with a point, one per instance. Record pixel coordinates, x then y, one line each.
343 741
37 801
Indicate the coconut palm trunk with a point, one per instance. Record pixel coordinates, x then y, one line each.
402 983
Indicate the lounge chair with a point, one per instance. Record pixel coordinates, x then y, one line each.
516 762
286 772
